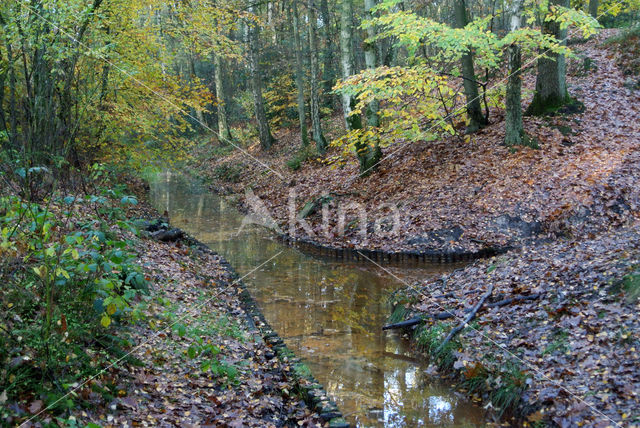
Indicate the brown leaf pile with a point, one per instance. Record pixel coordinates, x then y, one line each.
577 343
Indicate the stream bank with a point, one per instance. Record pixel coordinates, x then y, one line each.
556 336
328 312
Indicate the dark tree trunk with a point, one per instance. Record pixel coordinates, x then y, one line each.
513 123
219 72
264 133
593 8
551 82
318 137
302 116
474 108
328 69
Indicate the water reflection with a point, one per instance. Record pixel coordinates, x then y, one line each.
329 313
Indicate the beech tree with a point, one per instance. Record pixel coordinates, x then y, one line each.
474 111
551 82
514 130
264 132
318 137
297 46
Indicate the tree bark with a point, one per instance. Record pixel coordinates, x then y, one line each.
551 82
302 116
593 8
328 69
474 110
224 133
318 137
513 123
264 133
346 61
370 154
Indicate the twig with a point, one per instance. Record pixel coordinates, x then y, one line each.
466 321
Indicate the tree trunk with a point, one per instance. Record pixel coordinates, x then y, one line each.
264 133
593 8
513 123
302 116
551 82
346 61
370 59
328 71
318 137
370 154
224 134
474 109
202 124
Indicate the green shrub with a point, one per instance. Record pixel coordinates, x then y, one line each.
229 172
301 156
68 280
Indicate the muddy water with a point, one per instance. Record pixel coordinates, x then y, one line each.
329 313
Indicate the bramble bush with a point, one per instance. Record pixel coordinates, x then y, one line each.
69 282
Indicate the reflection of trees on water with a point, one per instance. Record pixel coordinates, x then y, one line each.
329 313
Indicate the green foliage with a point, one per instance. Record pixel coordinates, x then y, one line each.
207 353
559 344
281 100
631 286
229 171
429 339
615 13
67 278
419 101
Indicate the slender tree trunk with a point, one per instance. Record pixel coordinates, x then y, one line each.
328 69
318 137
264 133
593 8
551 82
202 123
370 59
474 109
371 152
219 75
302 116
346 61
513 123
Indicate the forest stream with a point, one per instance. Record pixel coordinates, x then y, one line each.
328 312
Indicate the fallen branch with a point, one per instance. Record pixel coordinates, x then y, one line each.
168 235
510 300
466 321
448 314
403 324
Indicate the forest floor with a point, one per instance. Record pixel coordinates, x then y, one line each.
467 193
556 336
559 328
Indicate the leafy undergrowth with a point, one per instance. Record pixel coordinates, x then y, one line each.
69 293
466 193
564 349
102 325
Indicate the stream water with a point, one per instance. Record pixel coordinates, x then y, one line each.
328 312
